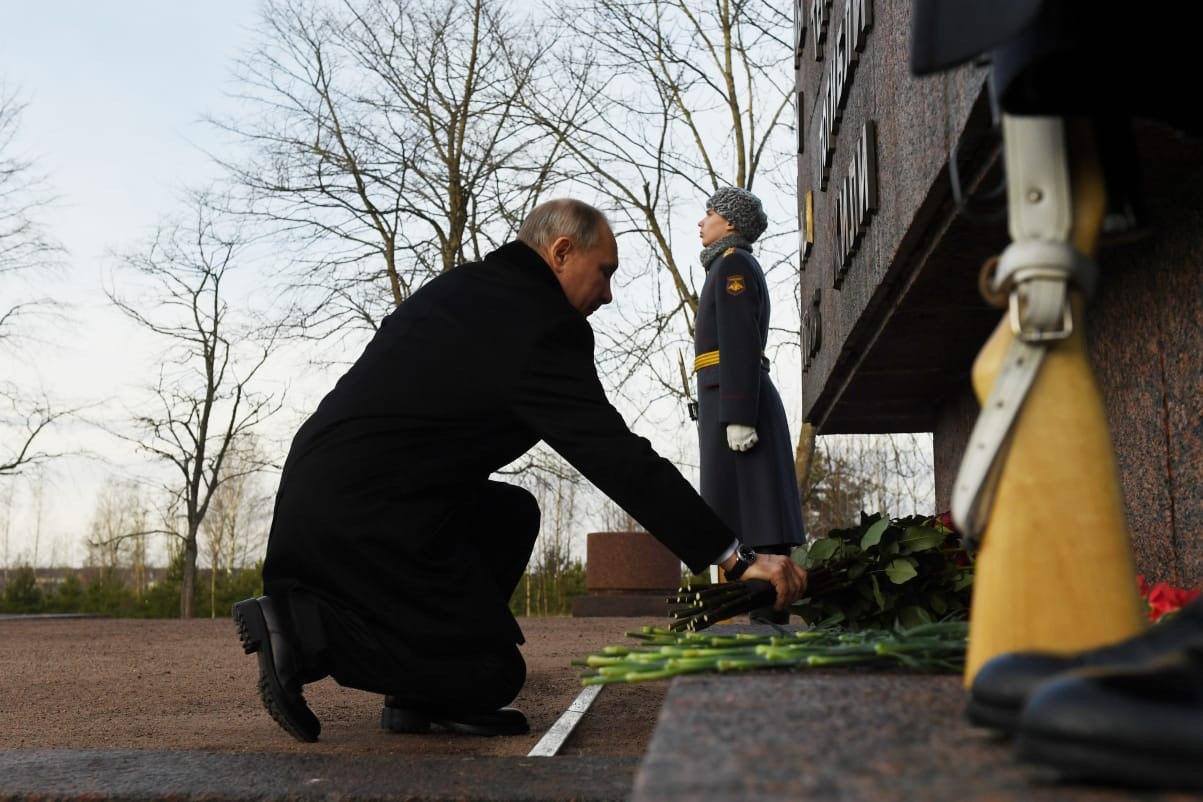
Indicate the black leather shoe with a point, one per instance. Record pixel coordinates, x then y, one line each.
1131 725
261 631
1003 684
506 721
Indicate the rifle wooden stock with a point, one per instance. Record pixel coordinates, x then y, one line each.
1055 570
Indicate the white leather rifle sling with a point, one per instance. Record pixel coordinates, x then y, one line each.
1032 275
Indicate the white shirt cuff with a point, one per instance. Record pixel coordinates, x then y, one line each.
726 555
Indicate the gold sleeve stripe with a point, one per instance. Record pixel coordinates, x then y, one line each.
705 360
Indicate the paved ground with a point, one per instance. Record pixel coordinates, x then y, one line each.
186 685
103 709
92 775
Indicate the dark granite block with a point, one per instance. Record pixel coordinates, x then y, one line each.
854 737
619 605
1129 373
955 422
1146 339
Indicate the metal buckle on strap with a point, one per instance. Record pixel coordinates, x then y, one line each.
1035 275
1036 335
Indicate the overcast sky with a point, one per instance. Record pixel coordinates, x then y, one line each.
117 92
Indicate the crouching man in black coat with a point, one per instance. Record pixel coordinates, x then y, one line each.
392 555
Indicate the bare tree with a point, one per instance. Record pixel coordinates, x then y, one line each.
553 549
615 519
385 145
202 408
6 509
661 103
887 473
27 253
26 245
24 421
236 525
117 533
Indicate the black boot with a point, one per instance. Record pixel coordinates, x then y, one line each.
1003 684
506 721
1132 725
280 671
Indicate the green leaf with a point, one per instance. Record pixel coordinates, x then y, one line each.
921 538
856 570
822 549
963 581
873 536
901 570
936 602
881 602
831 620
913 616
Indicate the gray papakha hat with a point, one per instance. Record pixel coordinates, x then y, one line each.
742 210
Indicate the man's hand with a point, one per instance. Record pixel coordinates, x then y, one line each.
740 437
786 577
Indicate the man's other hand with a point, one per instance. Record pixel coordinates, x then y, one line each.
740 437
786 576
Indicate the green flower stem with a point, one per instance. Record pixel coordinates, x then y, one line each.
662 654
744 664
825 660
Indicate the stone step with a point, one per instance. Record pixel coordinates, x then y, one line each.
101 774
848 736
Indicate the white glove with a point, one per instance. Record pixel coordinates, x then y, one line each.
740 437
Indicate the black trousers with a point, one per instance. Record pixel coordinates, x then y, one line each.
473 675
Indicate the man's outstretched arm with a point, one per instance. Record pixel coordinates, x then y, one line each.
559 395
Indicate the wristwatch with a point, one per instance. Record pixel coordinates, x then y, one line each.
744 556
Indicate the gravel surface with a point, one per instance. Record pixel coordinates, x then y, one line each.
129 684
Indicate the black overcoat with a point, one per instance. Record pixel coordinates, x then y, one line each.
755 492
461 379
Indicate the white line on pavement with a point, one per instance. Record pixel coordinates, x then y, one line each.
555 737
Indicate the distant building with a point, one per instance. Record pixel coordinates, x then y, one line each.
892 318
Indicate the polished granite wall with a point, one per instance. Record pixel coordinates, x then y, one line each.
1146 344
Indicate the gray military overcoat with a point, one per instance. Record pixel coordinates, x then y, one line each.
754 492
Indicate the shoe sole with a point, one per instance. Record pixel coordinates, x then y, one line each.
252 632
993 717
475 729
1109 763
402 721
412 722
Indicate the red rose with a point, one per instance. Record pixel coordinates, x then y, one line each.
1164 598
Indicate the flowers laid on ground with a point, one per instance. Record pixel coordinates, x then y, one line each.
885 573
662 653
1162 598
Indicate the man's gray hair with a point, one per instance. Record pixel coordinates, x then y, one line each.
563 217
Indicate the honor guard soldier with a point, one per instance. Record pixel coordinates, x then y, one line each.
747 463
392 554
